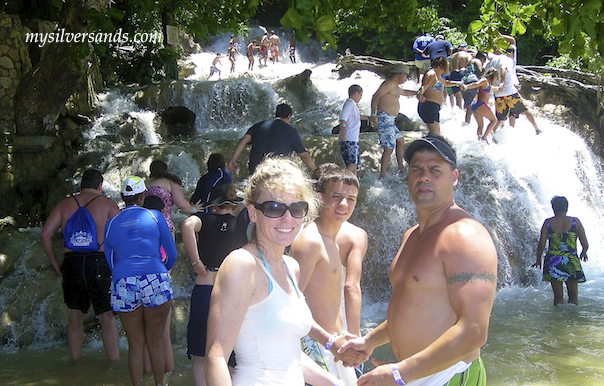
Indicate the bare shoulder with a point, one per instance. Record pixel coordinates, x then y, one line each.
465 227
240 259
308 239
351 234
463 235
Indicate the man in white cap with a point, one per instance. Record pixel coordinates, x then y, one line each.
384 110
443 277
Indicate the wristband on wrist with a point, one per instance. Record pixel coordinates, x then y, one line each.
397 376
194 210
330 342
373 114
196 261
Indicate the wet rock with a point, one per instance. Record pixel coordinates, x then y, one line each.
177 120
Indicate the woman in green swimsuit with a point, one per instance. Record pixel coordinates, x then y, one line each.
561 263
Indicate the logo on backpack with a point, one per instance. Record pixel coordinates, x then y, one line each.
80 234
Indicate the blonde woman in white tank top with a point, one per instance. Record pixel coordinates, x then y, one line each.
256 308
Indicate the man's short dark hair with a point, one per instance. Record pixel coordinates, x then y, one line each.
354 89
559 204
91 179
333 173
283 111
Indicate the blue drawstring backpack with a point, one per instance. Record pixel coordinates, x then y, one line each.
80 234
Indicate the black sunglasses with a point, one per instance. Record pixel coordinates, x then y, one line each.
274 209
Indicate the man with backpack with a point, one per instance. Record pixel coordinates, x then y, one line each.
86 275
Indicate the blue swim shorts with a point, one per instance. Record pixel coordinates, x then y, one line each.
429 111
350 152
149 290
387 130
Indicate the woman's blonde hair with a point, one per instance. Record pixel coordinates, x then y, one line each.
282 175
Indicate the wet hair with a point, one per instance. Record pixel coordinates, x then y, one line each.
330 172
282 175
216 161
480 55
441 61
283 110
91 179
559 204
492 74
354 89
159 169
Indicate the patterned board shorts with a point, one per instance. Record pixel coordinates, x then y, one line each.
350 152
387 130
508 105
150 290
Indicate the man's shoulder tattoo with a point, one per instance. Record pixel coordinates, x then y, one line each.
471 276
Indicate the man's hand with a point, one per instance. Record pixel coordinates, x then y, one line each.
380 376
57 267
350 357
373 119
353 351
232 166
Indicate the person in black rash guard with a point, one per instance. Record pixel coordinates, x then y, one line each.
220 231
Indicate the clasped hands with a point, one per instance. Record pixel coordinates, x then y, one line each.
349 349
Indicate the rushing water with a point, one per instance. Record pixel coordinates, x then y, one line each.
507 186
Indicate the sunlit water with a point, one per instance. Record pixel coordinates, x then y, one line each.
507 186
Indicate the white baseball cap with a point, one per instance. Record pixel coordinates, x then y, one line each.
133 185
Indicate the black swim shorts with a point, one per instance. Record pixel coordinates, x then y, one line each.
86 280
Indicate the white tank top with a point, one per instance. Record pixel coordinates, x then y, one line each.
267 348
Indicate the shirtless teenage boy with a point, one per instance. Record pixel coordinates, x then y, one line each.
213 67
443 277
321 270
384 110
80 290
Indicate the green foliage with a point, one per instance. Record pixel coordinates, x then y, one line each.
570 22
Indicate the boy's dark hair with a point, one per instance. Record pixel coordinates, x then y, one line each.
130 200
283 111
216 161
91 179
559 204
354 88
331 172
